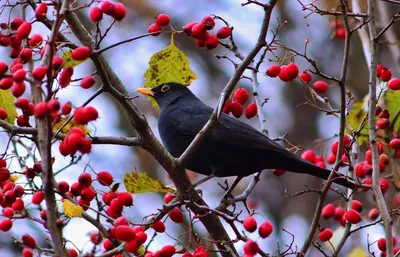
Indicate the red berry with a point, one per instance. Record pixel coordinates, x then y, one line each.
382 123
320 86
251 248
57 63
72 253
37 197
305 77
155 29
339 213
22 103
292 71
279 172
199 31
28 241
265 229
63 187
250 224
200 42
353 216
125 198
24 30
18 205
65 77
386 74
208 22
394 84
132 246
3 68
39 73
159 226
41 110
80 116
19 75
373 214
108 245
8 212
241 96
107 7
6 83
116 205
26 252
81 53
105 178
88 194
163 20
121 221
54 105
41 11
95 14
85 179
384 185
237 109
87 82
328 211
176 215
16 23
367 182
309 155
141 237
283 75
35 40
124 233
119 11
341 33
188 28
167 251
168 197
224 32
395 143
382 244
251 110
66 108
325 235
357 205
211 42
25 55
379 69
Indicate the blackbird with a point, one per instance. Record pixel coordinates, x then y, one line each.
232 148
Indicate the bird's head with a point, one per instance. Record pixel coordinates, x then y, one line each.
166 93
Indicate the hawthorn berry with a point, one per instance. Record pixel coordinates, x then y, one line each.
394 84
292 71
199 31
26 252
107 7
18 205
3 68
41 11
41 110
357 205
119 11
132 246
163 20
283 75
5 225
251 248
124 233
16 23
251 111
305 77
121 221
158 226
63 187
19 75
386 74
241 95
8 212
373 214
211 42
167 251
85 179
25 55
395 143
96 14
66 108
72 253
176 215
35 40
328 211
108 245
320 86
81 53
250 224
339 213
353 216
265 229
168 197
6 83
200 42
87 82
341 33
141 237
57 63
125 198
325 235
188 28
279 172
39 73
116 205
208 22
155 29
37 197
105 178
22 103
382 123
24 30
28 241
384 185
224 32
237 109
308 155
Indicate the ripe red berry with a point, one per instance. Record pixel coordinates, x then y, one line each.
211 41
379 69
237 109
251 111
167 251
155 29
105 178
19 75
250 224
18 205
208 22
200 42
305 77
141 237
328 211
386 74
3 68
125 198
39 73
16 23
57 63
188 28
395 143
63 187
382 243
22 103
91 113
119 11
25 55
325 235
308 155
132 246
121 221
26 252
163 20
85 179
107 7
341 33
382 123
373 214
37 197
95 14
159 226
265 229
41 11
116 205
81 53
168 197
283 75
35 40
72 253
353 216
251 248
279 172
24 30
66 108
8 212
320 86
87 82
41 110
176 215
394 84
357 205
224 32
292 71
28 241
384 185
199 31
88 194
6 83
241 95
339 213
124 233
65 76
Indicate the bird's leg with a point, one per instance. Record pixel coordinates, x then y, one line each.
201 181
229 191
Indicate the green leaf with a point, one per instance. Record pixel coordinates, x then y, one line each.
7 103
355 117
168 65
68 61
392 102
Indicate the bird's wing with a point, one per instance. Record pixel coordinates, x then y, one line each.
190 119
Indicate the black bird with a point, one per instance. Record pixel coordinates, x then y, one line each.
232 148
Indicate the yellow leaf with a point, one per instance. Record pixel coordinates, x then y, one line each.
141 250
68 127
354 119
71 210
68 61
392 103
7 103
168 65
358 252
136 183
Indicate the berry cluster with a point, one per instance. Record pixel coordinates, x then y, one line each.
240 97
162 20
385 75
117 11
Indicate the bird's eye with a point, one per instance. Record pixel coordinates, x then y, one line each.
164 88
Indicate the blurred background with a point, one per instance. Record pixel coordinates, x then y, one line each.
284 110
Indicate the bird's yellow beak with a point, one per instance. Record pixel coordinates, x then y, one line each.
145 91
